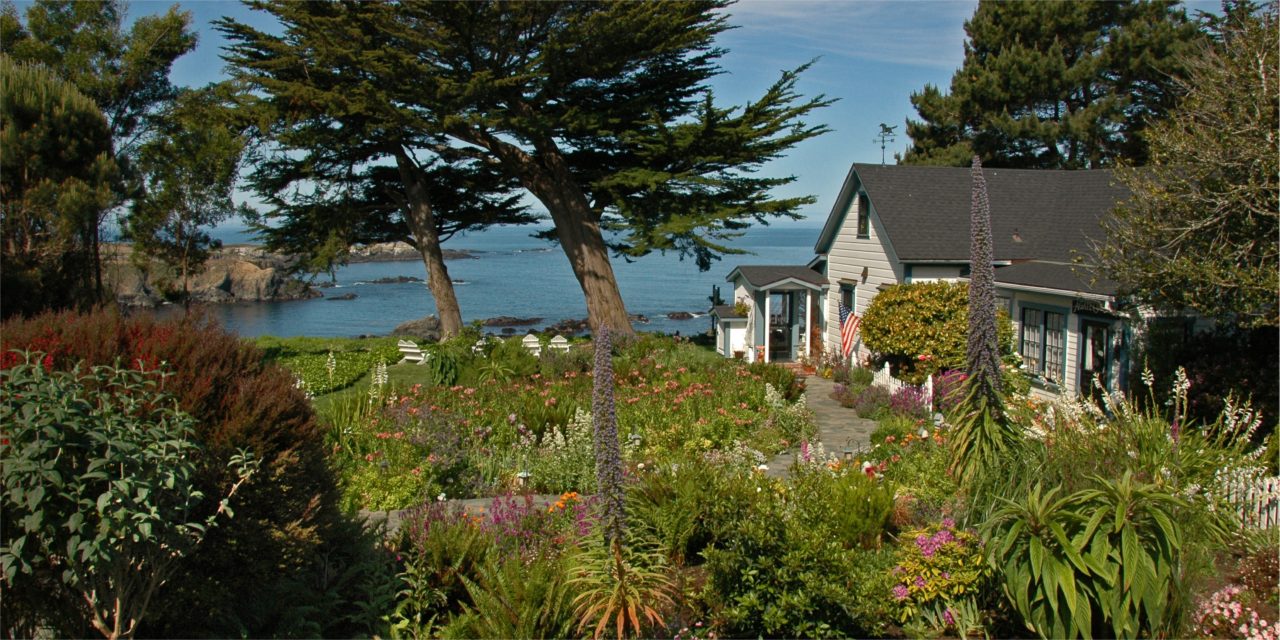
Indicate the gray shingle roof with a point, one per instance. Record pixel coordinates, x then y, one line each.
1035 214
1054 275
726 312
760 276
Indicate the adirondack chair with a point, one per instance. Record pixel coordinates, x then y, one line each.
559 343
531 343
411 352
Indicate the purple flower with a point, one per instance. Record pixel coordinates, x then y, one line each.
942 537
919 582
900 592
983 354
948 523
609 475
948 618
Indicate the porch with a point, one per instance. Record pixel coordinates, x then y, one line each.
782 305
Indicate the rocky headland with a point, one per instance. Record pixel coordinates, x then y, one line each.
237 273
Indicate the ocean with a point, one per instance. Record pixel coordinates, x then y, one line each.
512 275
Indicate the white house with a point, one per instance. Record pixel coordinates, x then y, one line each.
899 224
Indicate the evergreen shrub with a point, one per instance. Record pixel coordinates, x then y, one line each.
923 327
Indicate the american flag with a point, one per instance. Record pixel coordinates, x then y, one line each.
848 329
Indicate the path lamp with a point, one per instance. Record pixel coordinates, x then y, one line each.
522 479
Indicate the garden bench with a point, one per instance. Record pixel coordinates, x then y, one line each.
411 352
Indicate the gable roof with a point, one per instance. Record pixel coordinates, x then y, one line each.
924 211
767 276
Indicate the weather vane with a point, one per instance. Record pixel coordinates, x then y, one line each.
886 135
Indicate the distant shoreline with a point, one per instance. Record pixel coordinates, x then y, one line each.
379 252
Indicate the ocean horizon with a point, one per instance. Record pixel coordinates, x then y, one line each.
511 274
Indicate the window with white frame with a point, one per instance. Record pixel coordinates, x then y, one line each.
1044 340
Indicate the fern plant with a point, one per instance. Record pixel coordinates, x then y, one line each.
515 599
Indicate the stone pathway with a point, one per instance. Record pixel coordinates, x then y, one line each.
838 427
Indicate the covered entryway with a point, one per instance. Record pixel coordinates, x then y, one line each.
782 300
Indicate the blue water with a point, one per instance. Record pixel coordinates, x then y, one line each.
512 275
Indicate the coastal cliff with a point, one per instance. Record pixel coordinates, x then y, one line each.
237 273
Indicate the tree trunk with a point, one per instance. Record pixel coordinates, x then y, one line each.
549 179
580 237
422 225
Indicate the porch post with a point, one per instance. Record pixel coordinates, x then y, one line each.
808 322
768 324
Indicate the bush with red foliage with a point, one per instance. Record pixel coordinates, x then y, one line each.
285 519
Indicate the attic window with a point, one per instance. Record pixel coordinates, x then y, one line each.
864 216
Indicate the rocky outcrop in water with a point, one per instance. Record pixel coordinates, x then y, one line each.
236 273
397 251
508 321
423 329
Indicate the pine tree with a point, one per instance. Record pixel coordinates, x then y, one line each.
57 177
1055 85
125 72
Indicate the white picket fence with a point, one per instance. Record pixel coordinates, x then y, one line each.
886 379
1259 502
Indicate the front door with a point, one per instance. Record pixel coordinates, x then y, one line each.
1095 356
780 322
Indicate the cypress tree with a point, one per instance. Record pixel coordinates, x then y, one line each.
600 110
347 158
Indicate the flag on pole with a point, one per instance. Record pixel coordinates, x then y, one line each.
848 329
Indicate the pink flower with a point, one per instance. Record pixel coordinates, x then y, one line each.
900 592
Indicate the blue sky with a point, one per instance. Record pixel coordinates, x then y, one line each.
870 55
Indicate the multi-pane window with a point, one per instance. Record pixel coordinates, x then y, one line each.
1044 352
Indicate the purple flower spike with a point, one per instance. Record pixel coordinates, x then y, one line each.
609 475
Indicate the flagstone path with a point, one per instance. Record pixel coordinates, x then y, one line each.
838 427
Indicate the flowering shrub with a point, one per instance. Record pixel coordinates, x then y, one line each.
938 567
872 402
948 390
906 321
562 459
1227 614
910 401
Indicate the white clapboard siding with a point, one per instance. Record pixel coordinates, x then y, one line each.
848 257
